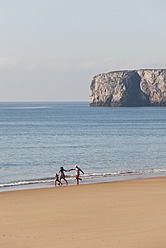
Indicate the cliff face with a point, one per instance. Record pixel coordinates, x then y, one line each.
129 88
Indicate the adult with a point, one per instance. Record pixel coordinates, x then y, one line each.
77 170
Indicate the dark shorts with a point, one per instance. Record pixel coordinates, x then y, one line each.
62 177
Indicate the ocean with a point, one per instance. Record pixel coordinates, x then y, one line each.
108 144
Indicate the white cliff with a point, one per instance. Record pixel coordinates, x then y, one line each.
129 88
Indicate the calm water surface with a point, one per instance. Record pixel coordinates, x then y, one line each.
107 143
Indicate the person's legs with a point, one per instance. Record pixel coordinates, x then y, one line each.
77 179
65 180
59 182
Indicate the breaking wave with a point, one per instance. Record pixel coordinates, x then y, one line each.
90 176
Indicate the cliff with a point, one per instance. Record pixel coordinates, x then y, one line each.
129 88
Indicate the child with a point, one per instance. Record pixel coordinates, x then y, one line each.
57 179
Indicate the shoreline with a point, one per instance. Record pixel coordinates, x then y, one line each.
114 214
85 181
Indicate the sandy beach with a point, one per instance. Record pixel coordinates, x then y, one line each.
118 214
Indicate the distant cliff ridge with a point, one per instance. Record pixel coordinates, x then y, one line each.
129 88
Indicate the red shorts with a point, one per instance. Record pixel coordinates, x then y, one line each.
76 176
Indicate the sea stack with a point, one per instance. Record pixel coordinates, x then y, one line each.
130 88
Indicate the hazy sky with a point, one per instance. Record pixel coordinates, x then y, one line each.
51 49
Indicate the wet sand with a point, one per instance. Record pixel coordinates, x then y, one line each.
125 214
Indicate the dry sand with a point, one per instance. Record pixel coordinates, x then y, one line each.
118 214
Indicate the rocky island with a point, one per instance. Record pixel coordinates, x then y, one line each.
130 88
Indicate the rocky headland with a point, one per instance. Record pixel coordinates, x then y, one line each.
130 88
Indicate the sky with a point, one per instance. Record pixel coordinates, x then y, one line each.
50 50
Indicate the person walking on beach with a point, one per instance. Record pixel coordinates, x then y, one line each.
62 174
57 179
77 170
